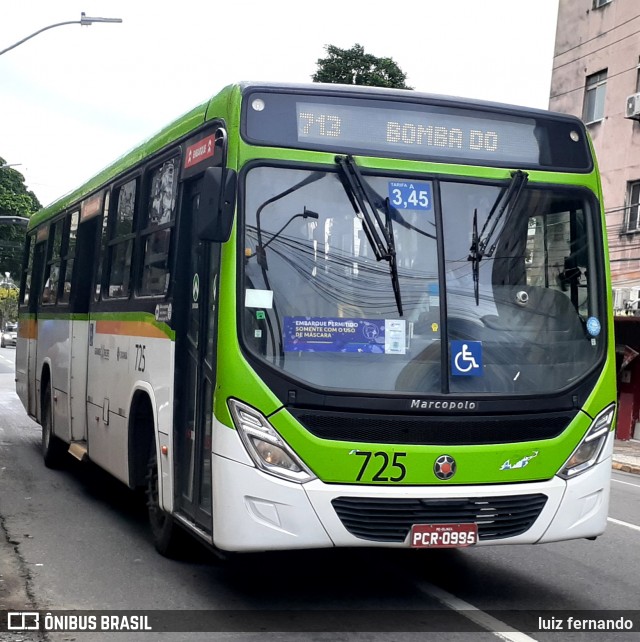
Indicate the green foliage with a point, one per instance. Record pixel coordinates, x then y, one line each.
8 304
15 200
355 67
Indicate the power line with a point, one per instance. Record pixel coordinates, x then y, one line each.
598 36
569 91
607 46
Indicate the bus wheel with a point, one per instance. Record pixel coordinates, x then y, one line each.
54 450
165 532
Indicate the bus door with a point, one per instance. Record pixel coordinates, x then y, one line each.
196 303
82 250
36 263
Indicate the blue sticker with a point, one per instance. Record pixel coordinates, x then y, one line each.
466 358
337 334
593 326
404 195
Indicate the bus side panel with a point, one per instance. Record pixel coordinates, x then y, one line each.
34 375
162 382
22 359
108 375
78 379
26 362
125 356
54 339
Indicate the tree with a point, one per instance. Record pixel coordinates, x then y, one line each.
8 304
15 200
355 67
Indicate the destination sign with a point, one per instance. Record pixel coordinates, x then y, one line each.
459 132
429 133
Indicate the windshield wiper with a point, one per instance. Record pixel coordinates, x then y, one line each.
393 265
475 257
378 234
354 186
507 200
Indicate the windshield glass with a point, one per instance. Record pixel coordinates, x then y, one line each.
524 318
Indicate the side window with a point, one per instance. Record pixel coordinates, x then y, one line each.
121 243
69 257
103 244
159 222
27 270
556 255
52 267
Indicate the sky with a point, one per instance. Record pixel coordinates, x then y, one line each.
74 98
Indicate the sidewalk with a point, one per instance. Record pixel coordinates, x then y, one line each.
626 456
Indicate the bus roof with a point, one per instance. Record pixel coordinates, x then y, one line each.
408 95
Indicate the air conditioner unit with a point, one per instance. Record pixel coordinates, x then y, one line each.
620 297
633 107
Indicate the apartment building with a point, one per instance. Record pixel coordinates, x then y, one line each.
596 76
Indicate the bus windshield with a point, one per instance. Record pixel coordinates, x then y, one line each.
523 317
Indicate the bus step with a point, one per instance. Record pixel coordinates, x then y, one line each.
79 450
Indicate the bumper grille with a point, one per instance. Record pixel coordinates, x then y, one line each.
443 430
390 520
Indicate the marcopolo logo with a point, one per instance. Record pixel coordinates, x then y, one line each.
430 404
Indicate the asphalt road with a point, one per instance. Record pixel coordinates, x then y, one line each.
77 539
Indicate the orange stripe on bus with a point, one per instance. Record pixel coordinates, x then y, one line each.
130 328
28 329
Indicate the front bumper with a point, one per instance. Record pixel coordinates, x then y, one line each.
254 511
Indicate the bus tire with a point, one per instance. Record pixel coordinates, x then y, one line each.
165 532
54 450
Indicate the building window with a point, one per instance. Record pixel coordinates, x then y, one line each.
595 91
600 3
633 207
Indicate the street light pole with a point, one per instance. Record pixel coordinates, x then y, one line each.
84 21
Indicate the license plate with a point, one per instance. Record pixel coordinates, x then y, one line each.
443 535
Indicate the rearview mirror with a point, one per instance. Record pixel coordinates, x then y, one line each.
217 204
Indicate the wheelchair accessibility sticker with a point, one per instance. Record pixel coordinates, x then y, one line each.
466 358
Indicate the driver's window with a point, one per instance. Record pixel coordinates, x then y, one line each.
556 255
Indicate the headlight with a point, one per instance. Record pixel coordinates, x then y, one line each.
268 450
589 449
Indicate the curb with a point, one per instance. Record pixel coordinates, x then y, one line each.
626 468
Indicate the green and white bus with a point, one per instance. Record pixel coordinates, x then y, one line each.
311 316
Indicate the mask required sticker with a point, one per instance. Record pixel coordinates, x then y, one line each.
327 334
